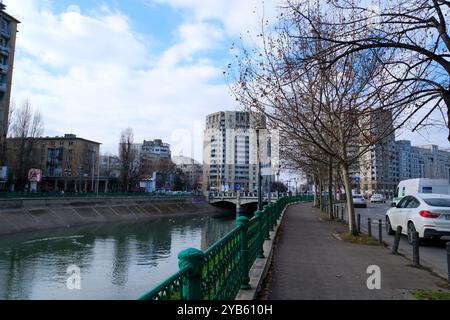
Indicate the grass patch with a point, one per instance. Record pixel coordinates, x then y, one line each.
361 239
430 295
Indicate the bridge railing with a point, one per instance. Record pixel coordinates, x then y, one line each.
223 269
220 195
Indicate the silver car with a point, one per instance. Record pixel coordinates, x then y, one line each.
377 198
359 201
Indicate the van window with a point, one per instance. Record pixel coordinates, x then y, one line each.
427 189
403 191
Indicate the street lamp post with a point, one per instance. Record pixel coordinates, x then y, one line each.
258 159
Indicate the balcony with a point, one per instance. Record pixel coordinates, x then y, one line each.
5 33
4 68
5 50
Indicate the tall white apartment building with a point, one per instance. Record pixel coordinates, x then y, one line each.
230 151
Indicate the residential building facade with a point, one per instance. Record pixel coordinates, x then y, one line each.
155 150
8 31
400 160
230 150
68 163
192 169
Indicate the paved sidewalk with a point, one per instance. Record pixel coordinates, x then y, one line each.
310 263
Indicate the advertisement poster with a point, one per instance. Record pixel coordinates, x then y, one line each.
3 173
35 175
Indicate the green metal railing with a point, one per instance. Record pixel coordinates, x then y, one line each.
222 270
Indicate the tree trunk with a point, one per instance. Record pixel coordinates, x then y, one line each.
316 198
320 195
330 187
349 198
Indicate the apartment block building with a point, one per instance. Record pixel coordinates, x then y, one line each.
8 31
395 161
192 169
68 163
230 151
155 150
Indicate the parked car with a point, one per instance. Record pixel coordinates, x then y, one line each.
359 201
419 186
377 198
428 214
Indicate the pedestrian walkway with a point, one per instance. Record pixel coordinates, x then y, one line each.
311 263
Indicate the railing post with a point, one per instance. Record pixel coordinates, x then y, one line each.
359 223
369 226
243 223
398 234
192 287
258 215
266 224
415 244
380 231
448 260
342 213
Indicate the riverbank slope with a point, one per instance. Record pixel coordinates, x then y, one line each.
25 215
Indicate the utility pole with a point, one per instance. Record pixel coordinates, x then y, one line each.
98 175
93 170
258 159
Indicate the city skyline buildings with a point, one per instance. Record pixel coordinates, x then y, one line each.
8 31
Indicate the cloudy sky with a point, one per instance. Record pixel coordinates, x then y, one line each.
96 67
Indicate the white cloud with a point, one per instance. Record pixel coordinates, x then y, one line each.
237 16
193 38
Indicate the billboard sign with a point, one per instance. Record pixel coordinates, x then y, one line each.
35 175
3 173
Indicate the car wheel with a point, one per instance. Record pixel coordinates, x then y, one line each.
389 229
411 229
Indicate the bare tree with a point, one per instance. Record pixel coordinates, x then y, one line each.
329 107
409 38
129 159
26 125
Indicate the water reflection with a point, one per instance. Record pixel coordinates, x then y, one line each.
117 261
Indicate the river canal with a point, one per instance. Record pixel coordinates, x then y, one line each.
115 261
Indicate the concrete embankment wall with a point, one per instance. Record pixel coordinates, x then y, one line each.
24 215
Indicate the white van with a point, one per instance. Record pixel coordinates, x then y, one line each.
421 185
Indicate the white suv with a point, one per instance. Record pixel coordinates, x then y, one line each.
428 214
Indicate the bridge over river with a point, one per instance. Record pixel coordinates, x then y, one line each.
242 200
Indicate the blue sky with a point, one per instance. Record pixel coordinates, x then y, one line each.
96 67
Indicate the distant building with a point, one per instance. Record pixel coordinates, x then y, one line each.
426 161
192 169
8 31
155 150
68 163
230 151
378 166
110 169
401 161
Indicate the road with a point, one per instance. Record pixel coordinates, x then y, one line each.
432 253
